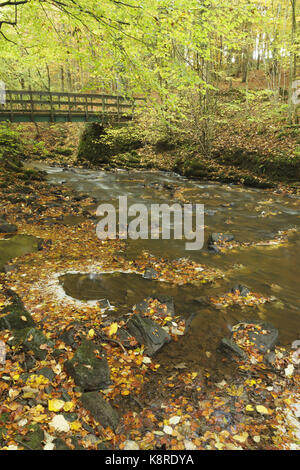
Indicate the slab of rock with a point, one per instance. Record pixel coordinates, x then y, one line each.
100 409
221 237
230 347
263 337
150 274
17 318
89 372
214 238
148 332
167 305
72 336
32 339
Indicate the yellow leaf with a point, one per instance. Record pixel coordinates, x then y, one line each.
241 437
262 410
40 418
91 333
113 329
75 426
68 406
249 408
55 405
125 392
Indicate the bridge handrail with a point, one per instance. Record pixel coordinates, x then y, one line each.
71 94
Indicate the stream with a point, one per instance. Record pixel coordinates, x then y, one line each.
251 215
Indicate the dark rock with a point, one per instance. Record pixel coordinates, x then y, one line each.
270 358
17 318
100 409
7 228
240 290
33 439
148 332
89 372
262 336
168 302
124 337
265 338
150 274
167 305
43 244
214 249
46 372
229 346
72 335
221 237
101 446
103 303
8 268
32 339
60 444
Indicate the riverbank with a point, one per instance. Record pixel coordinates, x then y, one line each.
249 149
149 403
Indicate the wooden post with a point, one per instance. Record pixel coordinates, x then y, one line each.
86 109
31 106
69 108
51 105
10 106
118 108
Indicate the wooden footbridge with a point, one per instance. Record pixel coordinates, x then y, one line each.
46 106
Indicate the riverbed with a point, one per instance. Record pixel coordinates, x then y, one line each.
251 215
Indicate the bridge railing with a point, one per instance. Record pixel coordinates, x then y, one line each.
27 105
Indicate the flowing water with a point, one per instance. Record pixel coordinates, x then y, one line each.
250 214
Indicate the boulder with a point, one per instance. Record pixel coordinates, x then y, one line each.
264 335
72 336
100 409
229 346
34 438
17 318
148 332
32 339
261 336
89 372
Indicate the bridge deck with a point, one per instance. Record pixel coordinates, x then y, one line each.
43 106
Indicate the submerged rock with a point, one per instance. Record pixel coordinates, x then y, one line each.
100 409
229 346
89 372
148 332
